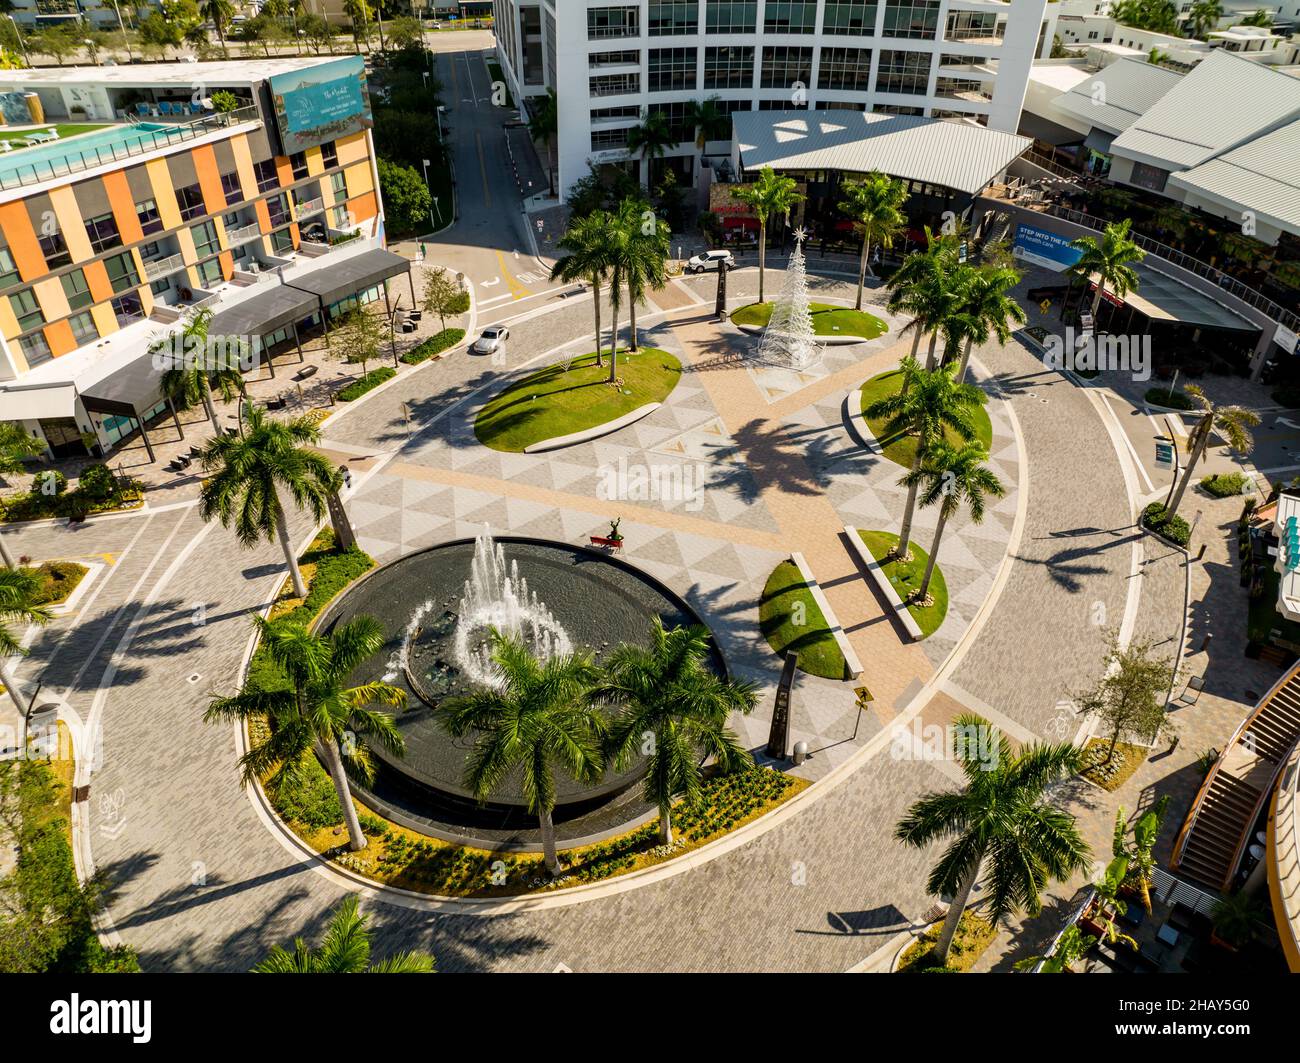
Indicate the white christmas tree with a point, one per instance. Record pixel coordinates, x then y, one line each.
789 340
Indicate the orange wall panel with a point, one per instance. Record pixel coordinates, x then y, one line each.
60 338
205 165
227 260
97 279
21 238
123 204
363 207
283 171
263 215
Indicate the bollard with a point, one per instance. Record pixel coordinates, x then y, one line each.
800 752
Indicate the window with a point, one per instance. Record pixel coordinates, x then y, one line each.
26 309
790 16
190 199
83 328
339 185
606 22
731 16
103 233
281 242
76 289
267 175
150 250
969 25
231 188
598 59
671 70
678 118
1151 178
608 139
35 349
730 67
278 208
613 114
121 272
8 271
673 18
783 67
614 85
907 72
918 19
150 222
329 155
205 239
127 308
210 273
161 287
850 16
55 250
298 164
845 68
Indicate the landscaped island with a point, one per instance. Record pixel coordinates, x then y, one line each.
827 320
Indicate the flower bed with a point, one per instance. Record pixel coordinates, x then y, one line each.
1113 773
433 345
1173 528
366 383
98 490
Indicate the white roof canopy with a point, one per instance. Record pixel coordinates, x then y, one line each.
37 401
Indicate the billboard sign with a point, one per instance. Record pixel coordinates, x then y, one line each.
321 103
1042 248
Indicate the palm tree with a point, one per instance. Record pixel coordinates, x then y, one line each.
952 476
318 711
589 241
358 12
986 310
1073 945
19 589
545 126
875 204
708 120
651 139
1140 852
190 377
540 718
250 469
641 247
15 445
1232 422
1000 815
219 13
345 950
772 193
1109 258
1204 15
670 697
926 287
930 402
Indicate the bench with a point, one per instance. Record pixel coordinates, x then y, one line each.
305 372
612 544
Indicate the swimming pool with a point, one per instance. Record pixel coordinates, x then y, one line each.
40 162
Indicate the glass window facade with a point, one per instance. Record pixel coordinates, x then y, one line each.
915 19
606 22
673 18
790 16
76 289
850 16
905 72
784 67
731 16
729 67
845 68
671 70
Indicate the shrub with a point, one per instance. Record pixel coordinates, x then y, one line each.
1224 485
1173 528
308 796
1176 400
366 383
433 345
49 482
97 483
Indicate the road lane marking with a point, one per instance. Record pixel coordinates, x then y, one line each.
516 289
482 167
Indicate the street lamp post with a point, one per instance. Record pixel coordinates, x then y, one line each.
130 58
433 200
19 37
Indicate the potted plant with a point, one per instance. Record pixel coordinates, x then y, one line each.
615 536
1236 921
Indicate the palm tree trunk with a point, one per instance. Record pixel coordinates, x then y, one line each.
282 531
356 836
10 683
206 393
1203 439
631 304
929 354
762 256
955 910
595 293
1096 301
862 271
5 556
665 825
901 551
965 362
379 19
916 346
548 843
923 592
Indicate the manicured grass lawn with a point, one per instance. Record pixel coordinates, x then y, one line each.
901 449
974 935
552 402
906 578
64 132
790 620
1112 774
827 320
58 580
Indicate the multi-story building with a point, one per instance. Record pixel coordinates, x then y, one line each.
612 63
99 14
269 214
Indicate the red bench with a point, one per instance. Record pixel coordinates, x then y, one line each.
613 544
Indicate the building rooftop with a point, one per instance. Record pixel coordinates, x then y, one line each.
1224 101
1114 98
127 75
958 155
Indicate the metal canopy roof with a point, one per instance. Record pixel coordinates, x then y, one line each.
135 387
1114 98
272 308
1162 298
352 275
958 155
37 401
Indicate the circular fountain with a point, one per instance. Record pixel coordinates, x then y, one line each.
439 607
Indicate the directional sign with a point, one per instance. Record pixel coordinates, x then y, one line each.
1164 455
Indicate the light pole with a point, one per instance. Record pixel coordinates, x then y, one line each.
438 112
130 58
19 37
433 200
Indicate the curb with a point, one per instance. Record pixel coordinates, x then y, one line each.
878 577
608 428
851 659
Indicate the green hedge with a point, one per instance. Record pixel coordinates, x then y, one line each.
96 492
1176 400
1173 528
366 383
1224 485
433 345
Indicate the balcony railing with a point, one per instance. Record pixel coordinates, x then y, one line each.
243 234
74 159
160 267
308 206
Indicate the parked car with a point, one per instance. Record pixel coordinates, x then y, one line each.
709 261
492 340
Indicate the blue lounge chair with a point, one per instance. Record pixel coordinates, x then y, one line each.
142 109
165 107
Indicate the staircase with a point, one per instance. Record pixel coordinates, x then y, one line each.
1219 825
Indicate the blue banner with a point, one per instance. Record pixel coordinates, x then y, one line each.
1042 248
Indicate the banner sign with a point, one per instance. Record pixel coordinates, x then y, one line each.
1042 248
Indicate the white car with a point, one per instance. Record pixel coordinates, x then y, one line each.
492 340
709 261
